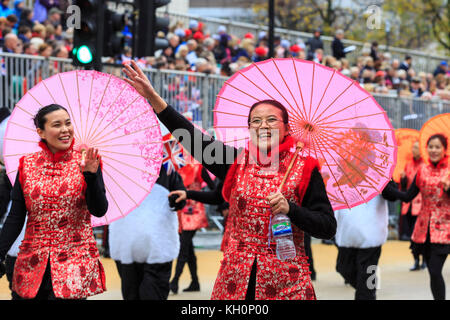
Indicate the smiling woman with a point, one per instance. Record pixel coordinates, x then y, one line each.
54 126
256 190
58 257
432 228
268 124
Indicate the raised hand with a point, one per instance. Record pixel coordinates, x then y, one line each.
91 161
139 81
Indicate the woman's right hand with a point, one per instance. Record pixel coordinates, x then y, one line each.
139 81
182 195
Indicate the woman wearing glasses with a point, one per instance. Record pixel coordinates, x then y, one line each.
250 269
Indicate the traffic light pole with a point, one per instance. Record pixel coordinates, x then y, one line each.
99 39
148 24
271 28
88 37
145 29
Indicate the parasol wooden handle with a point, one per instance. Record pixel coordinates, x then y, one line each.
299 148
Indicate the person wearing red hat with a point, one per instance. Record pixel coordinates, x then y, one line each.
260 54
249 35
198 36
295 48
188 34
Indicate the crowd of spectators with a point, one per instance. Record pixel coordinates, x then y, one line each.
35 31
193 47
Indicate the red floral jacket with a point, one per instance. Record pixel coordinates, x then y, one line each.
435 211
58 229
250 219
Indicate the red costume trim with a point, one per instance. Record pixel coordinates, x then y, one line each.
56 157
310 164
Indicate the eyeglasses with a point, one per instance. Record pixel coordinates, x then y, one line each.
271 122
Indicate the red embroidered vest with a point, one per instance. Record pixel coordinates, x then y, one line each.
435 211
193 215
58 229
411 169
250 219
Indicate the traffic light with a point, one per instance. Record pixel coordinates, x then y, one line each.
148 26
113 40
88 38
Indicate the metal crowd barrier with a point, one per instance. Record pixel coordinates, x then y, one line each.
186 91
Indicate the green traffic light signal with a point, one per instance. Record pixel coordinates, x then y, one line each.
83 54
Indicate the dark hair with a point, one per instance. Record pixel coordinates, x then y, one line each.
24 29
274 103
40 119
441 137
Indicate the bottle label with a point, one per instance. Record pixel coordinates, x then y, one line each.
281 228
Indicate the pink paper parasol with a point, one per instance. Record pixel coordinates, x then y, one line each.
339 123
108 114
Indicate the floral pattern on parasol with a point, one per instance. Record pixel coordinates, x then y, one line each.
108 114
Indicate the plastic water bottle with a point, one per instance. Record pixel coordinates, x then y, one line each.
282 235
